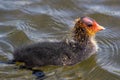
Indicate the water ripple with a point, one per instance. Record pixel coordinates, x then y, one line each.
109 51
104 10
13 5
55 14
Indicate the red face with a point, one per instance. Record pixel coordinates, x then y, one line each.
91 25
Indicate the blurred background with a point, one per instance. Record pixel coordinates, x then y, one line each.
28 21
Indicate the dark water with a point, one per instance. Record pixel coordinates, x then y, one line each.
27 21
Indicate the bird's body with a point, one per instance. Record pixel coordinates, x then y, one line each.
53 53
67 52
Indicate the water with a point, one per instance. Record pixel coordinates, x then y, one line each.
28 21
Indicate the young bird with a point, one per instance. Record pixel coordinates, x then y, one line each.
81 46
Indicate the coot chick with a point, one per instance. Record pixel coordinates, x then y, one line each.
67 52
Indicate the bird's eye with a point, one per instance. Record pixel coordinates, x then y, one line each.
89 24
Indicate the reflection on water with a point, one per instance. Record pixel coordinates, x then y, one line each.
24 22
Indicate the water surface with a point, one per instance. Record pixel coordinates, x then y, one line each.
28 21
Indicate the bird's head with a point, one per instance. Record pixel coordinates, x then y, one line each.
87 24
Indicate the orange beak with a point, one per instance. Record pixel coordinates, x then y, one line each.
99 28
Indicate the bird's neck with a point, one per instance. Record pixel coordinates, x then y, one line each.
82 39
81 36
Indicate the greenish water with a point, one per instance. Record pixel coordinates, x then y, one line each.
27 21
